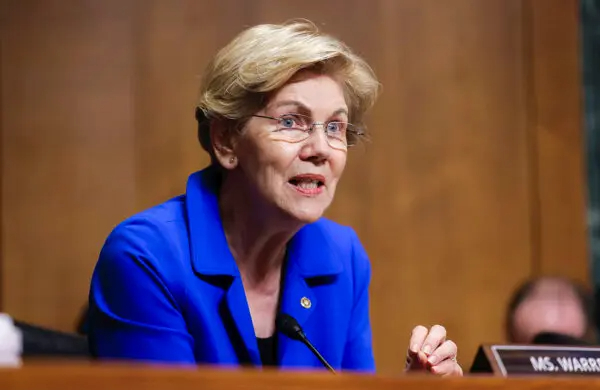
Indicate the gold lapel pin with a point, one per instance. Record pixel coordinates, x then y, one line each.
305 302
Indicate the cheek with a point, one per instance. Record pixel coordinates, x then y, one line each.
277 160
269 157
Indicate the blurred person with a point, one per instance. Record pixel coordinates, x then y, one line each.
202 278
550 310
11 346
40 341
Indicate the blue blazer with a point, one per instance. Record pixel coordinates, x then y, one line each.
166 288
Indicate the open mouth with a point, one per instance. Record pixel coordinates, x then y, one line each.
308 184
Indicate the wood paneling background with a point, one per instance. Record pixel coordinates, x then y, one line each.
557 152
473 181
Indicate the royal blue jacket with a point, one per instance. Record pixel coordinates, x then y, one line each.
166 288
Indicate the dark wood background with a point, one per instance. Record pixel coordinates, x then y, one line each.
473 182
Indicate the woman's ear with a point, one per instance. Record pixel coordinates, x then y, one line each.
222 137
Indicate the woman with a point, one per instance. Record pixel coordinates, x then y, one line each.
201 278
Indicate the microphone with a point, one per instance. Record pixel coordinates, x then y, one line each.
288 325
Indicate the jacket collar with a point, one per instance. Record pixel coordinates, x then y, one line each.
310 251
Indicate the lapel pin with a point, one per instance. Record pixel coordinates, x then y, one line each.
305 302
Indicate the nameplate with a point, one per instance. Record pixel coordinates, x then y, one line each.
534 360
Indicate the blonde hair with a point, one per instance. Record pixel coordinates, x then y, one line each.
260 60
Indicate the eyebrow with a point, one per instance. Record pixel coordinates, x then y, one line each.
304 108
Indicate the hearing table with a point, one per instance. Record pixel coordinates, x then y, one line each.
96 376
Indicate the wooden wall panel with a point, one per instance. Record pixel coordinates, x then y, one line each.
450 229
67 145
456 199
173 45
556 112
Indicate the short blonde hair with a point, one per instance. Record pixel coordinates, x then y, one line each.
239 80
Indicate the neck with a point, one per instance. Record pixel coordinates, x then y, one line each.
258 243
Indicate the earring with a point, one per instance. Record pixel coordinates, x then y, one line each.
231 160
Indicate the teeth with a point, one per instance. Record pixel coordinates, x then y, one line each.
308 184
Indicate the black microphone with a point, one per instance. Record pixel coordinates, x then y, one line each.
288 325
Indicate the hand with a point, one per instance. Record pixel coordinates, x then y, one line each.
430 351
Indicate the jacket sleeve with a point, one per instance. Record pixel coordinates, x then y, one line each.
134 313
358 354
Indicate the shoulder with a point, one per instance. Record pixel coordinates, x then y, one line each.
154 239
342 236
344 243
332 230
141 273
153 226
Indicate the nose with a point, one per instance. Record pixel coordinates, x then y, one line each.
316 147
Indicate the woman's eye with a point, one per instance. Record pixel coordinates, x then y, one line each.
287 122
335 127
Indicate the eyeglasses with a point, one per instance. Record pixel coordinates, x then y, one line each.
297 128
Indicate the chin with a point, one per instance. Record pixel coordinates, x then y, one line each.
306 215
304 211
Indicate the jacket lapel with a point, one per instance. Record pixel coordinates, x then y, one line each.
298 301
240 313
311 254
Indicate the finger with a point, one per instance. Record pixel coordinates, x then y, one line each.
436 336
447 368
447 350
417 362
417 337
